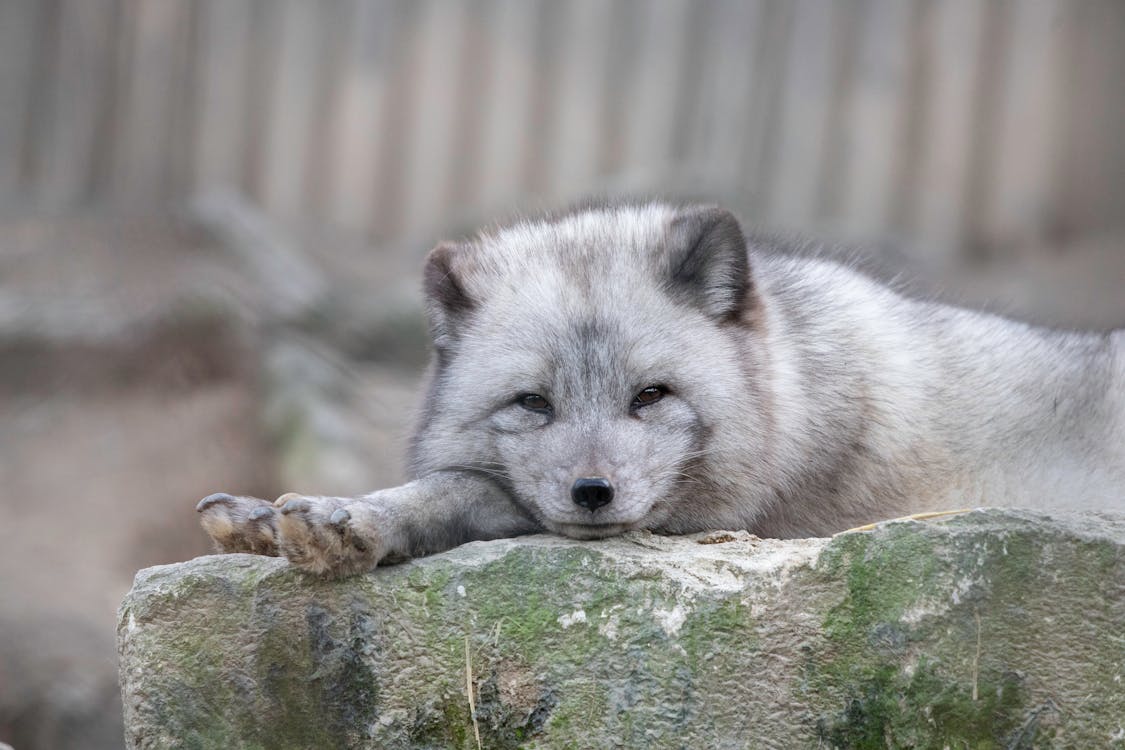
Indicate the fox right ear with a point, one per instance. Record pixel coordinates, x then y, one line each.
709 266
446 300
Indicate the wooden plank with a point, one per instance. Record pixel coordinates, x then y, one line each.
912 136
875 117
398 123
759 160
477 58
222 58
621 70
292 102
954 34
990 74
650 118
360 123
328 96
141 176
993 121
1025 139
184 106
82 72
1090 173
108 129
40 92
573 152
1072 119
547 46
803 115
847 47
260 90
437 48
690 112
19 21
507 105
1110 208
727 96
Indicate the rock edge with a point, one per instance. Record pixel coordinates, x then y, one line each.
996 628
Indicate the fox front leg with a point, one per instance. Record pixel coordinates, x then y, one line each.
341 536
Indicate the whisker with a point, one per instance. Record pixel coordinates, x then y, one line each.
482 468
679 477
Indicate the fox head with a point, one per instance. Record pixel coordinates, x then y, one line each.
587 362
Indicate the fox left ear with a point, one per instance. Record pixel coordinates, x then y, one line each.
447 303
708 262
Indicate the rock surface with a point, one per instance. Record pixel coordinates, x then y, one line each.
989 629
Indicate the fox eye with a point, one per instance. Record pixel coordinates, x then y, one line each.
649 395
534 402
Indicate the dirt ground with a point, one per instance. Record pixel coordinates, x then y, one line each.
113 421
97 485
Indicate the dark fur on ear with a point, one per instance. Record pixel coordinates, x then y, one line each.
446 300
708 262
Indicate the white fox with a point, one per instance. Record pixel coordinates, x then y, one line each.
648 366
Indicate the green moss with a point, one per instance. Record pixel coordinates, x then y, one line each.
870 642
445 725
883 580
894 664
308 664
526 598
317 673
503 725
718 631
926 709
583 706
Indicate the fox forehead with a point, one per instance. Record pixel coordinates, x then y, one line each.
584 267
605 240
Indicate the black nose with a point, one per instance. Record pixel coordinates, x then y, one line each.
592 492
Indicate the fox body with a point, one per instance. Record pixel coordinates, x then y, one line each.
652 367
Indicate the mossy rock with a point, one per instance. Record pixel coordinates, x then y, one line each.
994 629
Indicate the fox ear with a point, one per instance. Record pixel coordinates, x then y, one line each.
708 262
446 301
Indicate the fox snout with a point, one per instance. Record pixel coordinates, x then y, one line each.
591 493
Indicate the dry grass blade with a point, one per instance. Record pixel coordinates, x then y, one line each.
469 693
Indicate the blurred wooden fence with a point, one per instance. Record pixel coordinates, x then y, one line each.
958 122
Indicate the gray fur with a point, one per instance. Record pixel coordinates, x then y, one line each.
803 398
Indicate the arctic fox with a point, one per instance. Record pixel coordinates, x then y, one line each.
649 366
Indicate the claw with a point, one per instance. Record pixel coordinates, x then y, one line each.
340 518
219 498
295 505
259 513
283 499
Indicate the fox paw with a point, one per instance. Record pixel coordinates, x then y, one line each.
324 535
239 524
331 536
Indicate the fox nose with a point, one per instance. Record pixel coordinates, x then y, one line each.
592 492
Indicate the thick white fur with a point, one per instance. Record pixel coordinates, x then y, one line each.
966 408
817 401
837 402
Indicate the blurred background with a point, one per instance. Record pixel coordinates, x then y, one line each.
213 212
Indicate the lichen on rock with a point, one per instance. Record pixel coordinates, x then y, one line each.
993 629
